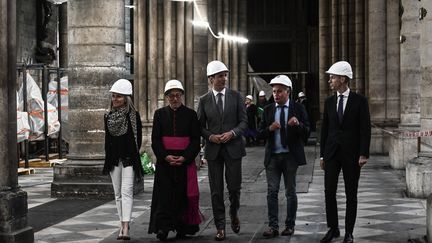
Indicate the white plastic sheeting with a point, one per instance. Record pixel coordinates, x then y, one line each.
35 109
52 98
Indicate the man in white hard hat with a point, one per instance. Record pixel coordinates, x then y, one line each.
262 101
175 143
345 140
284 125
223 121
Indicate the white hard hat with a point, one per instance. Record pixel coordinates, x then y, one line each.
301 94
173 84
215 67
341 68
282 79
122 86
249 97
261 93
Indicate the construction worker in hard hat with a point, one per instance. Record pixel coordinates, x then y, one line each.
123 136
223 121
252 114
262 100
302 99
176 144
345 141
284 125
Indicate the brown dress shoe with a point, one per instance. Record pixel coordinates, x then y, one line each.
270 233
220 235
288 231
235 224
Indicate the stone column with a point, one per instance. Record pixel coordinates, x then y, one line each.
96 36
404 149
13 200
244 85
201 38
419 169
377 75
63 42
359 60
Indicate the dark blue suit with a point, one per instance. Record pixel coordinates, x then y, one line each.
341 146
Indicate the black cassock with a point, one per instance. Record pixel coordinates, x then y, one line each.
169 199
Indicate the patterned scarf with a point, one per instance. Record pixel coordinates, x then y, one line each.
117 121
118 124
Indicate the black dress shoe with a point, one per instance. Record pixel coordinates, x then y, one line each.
162 235
270 233
348 238
220 235
288 231
235 224
332 233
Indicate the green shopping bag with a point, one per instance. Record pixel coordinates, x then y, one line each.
147 164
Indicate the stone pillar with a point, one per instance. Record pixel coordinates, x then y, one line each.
359 60
426 72
419 170
429 218
404 149
202 38
377 75
242 22
63 37
96 37
13 200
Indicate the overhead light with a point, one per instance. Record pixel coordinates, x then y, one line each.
201 23
233 38
130 6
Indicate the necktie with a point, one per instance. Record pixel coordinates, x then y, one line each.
283 124
340 108
220 103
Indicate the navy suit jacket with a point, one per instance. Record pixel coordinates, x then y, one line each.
296 135
233 118
352 136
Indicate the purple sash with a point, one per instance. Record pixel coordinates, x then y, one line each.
192 214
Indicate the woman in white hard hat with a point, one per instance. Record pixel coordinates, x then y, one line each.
251 112
176 144
123 134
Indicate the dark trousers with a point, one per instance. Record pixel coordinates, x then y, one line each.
233 177
281 165
351 175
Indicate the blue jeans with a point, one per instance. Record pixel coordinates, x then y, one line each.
281 164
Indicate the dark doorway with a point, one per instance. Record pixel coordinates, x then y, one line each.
283 38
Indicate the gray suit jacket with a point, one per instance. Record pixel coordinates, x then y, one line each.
233 118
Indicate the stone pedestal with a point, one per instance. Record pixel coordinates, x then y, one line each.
84 179
13 217
419 176
401 151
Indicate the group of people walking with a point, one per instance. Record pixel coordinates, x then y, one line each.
222 121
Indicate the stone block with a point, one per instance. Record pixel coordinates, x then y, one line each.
401 151
13 217
419 177
84 179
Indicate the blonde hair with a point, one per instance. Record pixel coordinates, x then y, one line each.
129 103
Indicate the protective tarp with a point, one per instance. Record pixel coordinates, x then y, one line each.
52 98
260 84
35 108
23 127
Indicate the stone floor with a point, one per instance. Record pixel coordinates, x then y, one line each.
385 214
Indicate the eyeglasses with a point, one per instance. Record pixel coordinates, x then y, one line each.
174 96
